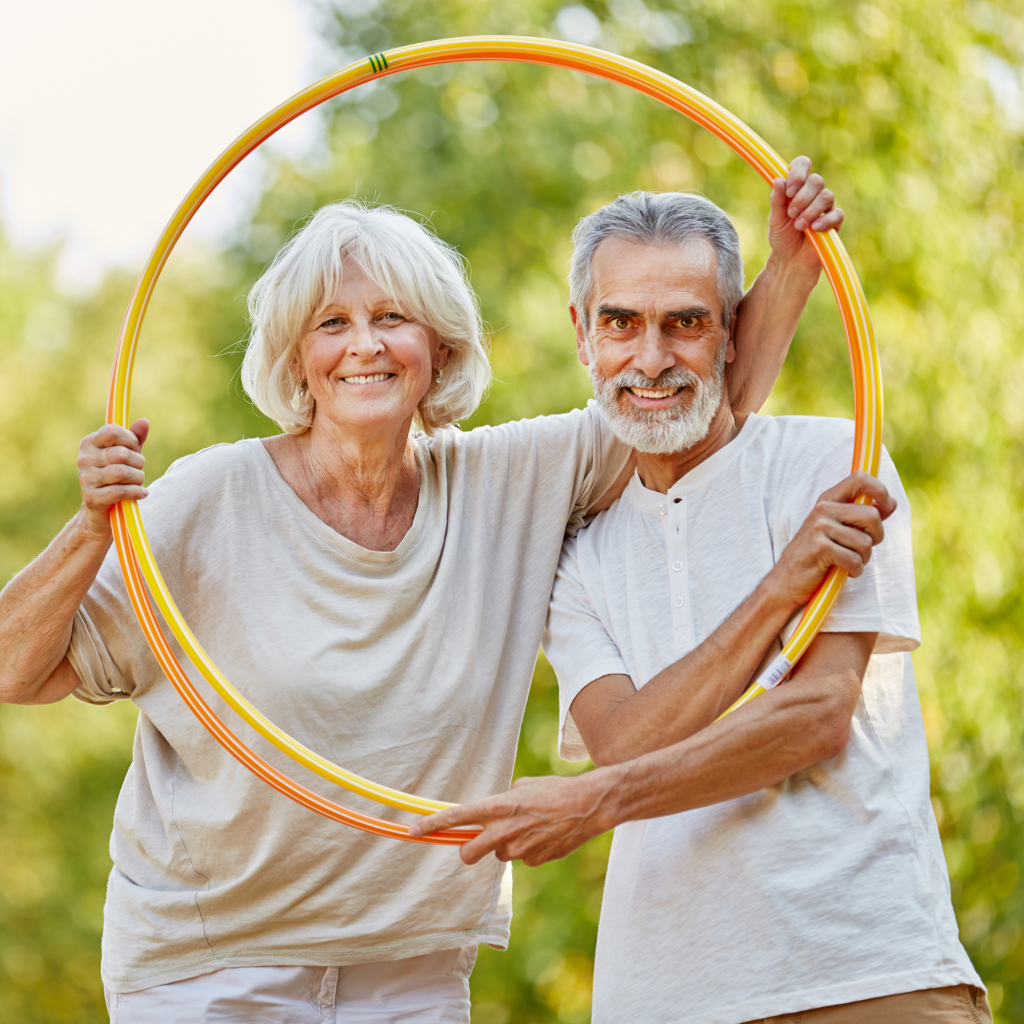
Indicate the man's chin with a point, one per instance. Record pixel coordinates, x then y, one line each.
649 435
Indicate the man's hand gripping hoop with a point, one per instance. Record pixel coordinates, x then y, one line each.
137 561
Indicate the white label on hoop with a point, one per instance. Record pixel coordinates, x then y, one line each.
777 671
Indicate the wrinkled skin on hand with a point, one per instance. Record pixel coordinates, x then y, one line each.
110 469
835 533
798 203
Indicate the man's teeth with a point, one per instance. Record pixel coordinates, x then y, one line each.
371 379
654 392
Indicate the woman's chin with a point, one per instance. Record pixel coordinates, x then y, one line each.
368 415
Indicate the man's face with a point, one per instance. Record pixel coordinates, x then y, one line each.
656 345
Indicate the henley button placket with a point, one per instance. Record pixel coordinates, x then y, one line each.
678 554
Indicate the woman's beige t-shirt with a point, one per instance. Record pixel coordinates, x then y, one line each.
410 667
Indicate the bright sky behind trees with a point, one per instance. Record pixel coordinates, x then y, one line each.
109 111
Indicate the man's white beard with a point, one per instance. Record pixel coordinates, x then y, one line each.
660 431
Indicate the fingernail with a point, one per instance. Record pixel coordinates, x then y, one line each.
145 492
818 225
791 191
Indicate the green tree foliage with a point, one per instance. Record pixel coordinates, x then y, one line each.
907 107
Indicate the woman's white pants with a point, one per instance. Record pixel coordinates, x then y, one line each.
429 989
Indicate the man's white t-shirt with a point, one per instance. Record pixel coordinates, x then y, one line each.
825 889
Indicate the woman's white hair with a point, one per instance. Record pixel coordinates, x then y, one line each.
426 278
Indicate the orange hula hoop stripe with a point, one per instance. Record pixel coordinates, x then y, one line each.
136 557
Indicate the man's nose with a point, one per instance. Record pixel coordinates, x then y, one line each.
654 355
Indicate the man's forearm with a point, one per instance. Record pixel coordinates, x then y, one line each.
688 695
805 721
766 321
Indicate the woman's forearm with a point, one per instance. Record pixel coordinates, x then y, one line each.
38 606
766 321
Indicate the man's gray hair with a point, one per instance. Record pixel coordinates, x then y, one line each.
657 218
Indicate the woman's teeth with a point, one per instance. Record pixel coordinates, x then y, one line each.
373 378
654 392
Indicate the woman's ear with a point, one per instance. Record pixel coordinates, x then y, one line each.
444 353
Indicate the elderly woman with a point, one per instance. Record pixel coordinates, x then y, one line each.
376 581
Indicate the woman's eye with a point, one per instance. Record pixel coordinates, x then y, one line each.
392 317
333 322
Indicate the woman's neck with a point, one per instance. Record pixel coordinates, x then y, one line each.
366 490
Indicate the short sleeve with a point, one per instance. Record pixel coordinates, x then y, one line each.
884 599
101 680
108 649
578 647
106 641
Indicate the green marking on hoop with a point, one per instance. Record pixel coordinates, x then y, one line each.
378 62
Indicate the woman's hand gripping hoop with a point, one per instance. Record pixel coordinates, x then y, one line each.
136 557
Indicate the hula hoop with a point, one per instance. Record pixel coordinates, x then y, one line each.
136 556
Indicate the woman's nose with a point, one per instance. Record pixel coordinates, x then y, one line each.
365 338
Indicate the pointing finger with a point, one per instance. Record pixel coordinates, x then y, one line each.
436 822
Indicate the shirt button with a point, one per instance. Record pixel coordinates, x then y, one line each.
679 602
663 510
678 566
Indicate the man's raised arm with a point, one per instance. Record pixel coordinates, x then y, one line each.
766 319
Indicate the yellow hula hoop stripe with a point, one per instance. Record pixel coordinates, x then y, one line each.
133 548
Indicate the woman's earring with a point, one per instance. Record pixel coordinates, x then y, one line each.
302 388
438 378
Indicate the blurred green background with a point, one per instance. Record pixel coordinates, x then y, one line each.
913 111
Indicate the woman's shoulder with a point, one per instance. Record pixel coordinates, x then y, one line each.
559 431
216 461
203 477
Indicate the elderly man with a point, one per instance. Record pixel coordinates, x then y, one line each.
785 860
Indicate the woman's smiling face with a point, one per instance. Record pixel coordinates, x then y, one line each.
366 363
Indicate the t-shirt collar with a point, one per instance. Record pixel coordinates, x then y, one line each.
653 501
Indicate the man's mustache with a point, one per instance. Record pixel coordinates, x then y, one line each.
676 378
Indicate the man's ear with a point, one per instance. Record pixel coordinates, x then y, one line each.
730 345
581 337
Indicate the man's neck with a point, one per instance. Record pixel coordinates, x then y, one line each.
660 472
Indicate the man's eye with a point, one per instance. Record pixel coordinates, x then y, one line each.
620 323
687 321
